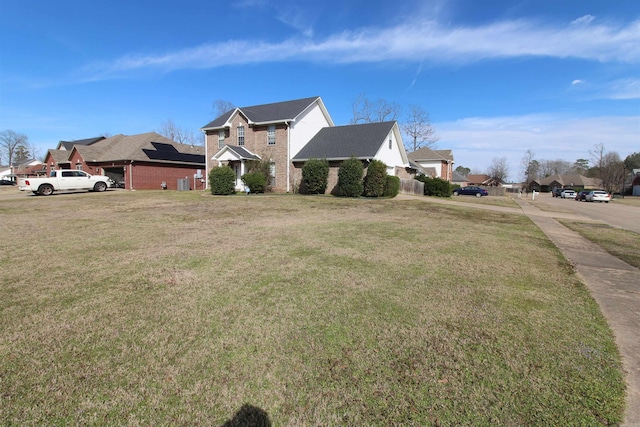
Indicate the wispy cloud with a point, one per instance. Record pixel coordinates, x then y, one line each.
628 88
417 41
549 136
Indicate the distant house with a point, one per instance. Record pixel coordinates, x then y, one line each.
433 163
459 179
372 141
68 145
482 180
31 167
270 132
573 181
140 162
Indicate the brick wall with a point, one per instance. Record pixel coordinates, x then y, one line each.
151 176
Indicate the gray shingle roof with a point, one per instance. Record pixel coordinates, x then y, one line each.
266 113
341 142
242 153
68 145
143 147
426 153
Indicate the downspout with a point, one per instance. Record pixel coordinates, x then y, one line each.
131 175
288 155
206 160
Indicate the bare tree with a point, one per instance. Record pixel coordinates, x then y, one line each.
530 167
608 167
499 170
221 106
554 167
182 136
380 110
418 128
10 142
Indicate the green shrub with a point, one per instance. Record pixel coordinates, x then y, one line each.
376 179
256 181
393 186
263 167
350 178
222 181
435 186
315 177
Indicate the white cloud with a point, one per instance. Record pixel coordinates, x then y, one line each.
584 20
476 141
415 41
623 89
577 82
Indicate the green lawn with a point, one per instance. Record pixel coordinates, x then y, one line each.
180 308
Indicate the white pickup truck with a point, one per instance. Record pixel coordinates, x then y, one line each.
64 180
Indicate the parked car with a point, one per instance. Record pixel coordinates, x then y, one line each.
568 194
581 196
7 182
556 191
598 196
471 190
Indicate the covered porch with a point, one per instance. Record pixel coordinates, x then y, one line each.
236 158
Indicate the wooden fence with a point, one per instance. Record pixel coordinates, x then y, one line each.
411 186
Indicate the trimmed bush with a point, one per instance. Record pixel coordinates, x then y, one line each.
263 167
315 177
256 181
376 179
350 178
435 186
393 186
222 181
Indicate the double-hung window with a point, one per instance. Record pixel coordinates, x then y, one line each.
220 139
240 135
271 135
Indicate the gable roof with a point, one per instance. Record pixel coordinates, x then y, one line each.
277 112
238 152
341 142
458 177
68 145
478 178
143 147
426 153
572 179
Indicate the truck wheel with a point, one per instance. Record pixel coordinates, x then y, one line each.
45 190
100 186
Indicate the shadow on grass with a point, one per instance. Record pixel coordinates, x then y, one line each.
249 416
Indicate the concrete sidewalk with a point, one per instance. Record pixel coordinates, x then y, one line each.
614 284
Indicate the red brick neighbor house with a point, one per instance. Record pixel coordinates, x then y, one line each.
286 134
137 162
433 163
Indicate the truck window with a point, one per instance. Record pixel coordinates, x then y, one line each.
53 173
68 173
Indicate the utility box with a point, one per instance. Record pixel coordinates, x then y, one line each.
183 184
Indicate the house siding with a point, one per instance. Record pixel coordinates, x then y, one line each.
151 176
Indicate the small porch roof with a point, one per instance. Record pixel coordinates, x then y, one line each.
234 152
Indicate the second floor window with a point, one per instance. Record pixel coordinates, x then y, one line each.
240 135
79 166
220 139
271 135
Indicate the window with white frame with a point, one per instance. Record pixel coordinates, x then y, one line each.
79 166
271 135
220 139
272 173
240 135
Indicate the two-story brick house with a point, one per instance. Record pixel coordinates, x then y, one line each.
273 132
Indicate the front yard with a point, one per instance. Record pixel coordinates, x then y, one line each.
180 308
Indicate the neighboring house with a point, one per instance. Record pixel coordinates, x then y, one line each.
635 183
434 163
483 180
459 179
367 142
140 162
574 181
68 145
270 132
31 167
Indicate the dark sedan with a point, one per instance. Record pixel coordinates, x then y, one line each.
470 190
582 196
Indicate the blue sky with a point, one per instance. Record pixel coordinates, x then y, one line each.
497 78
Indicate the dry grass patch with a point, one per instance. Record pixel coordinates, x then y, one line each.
179 308
623 244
